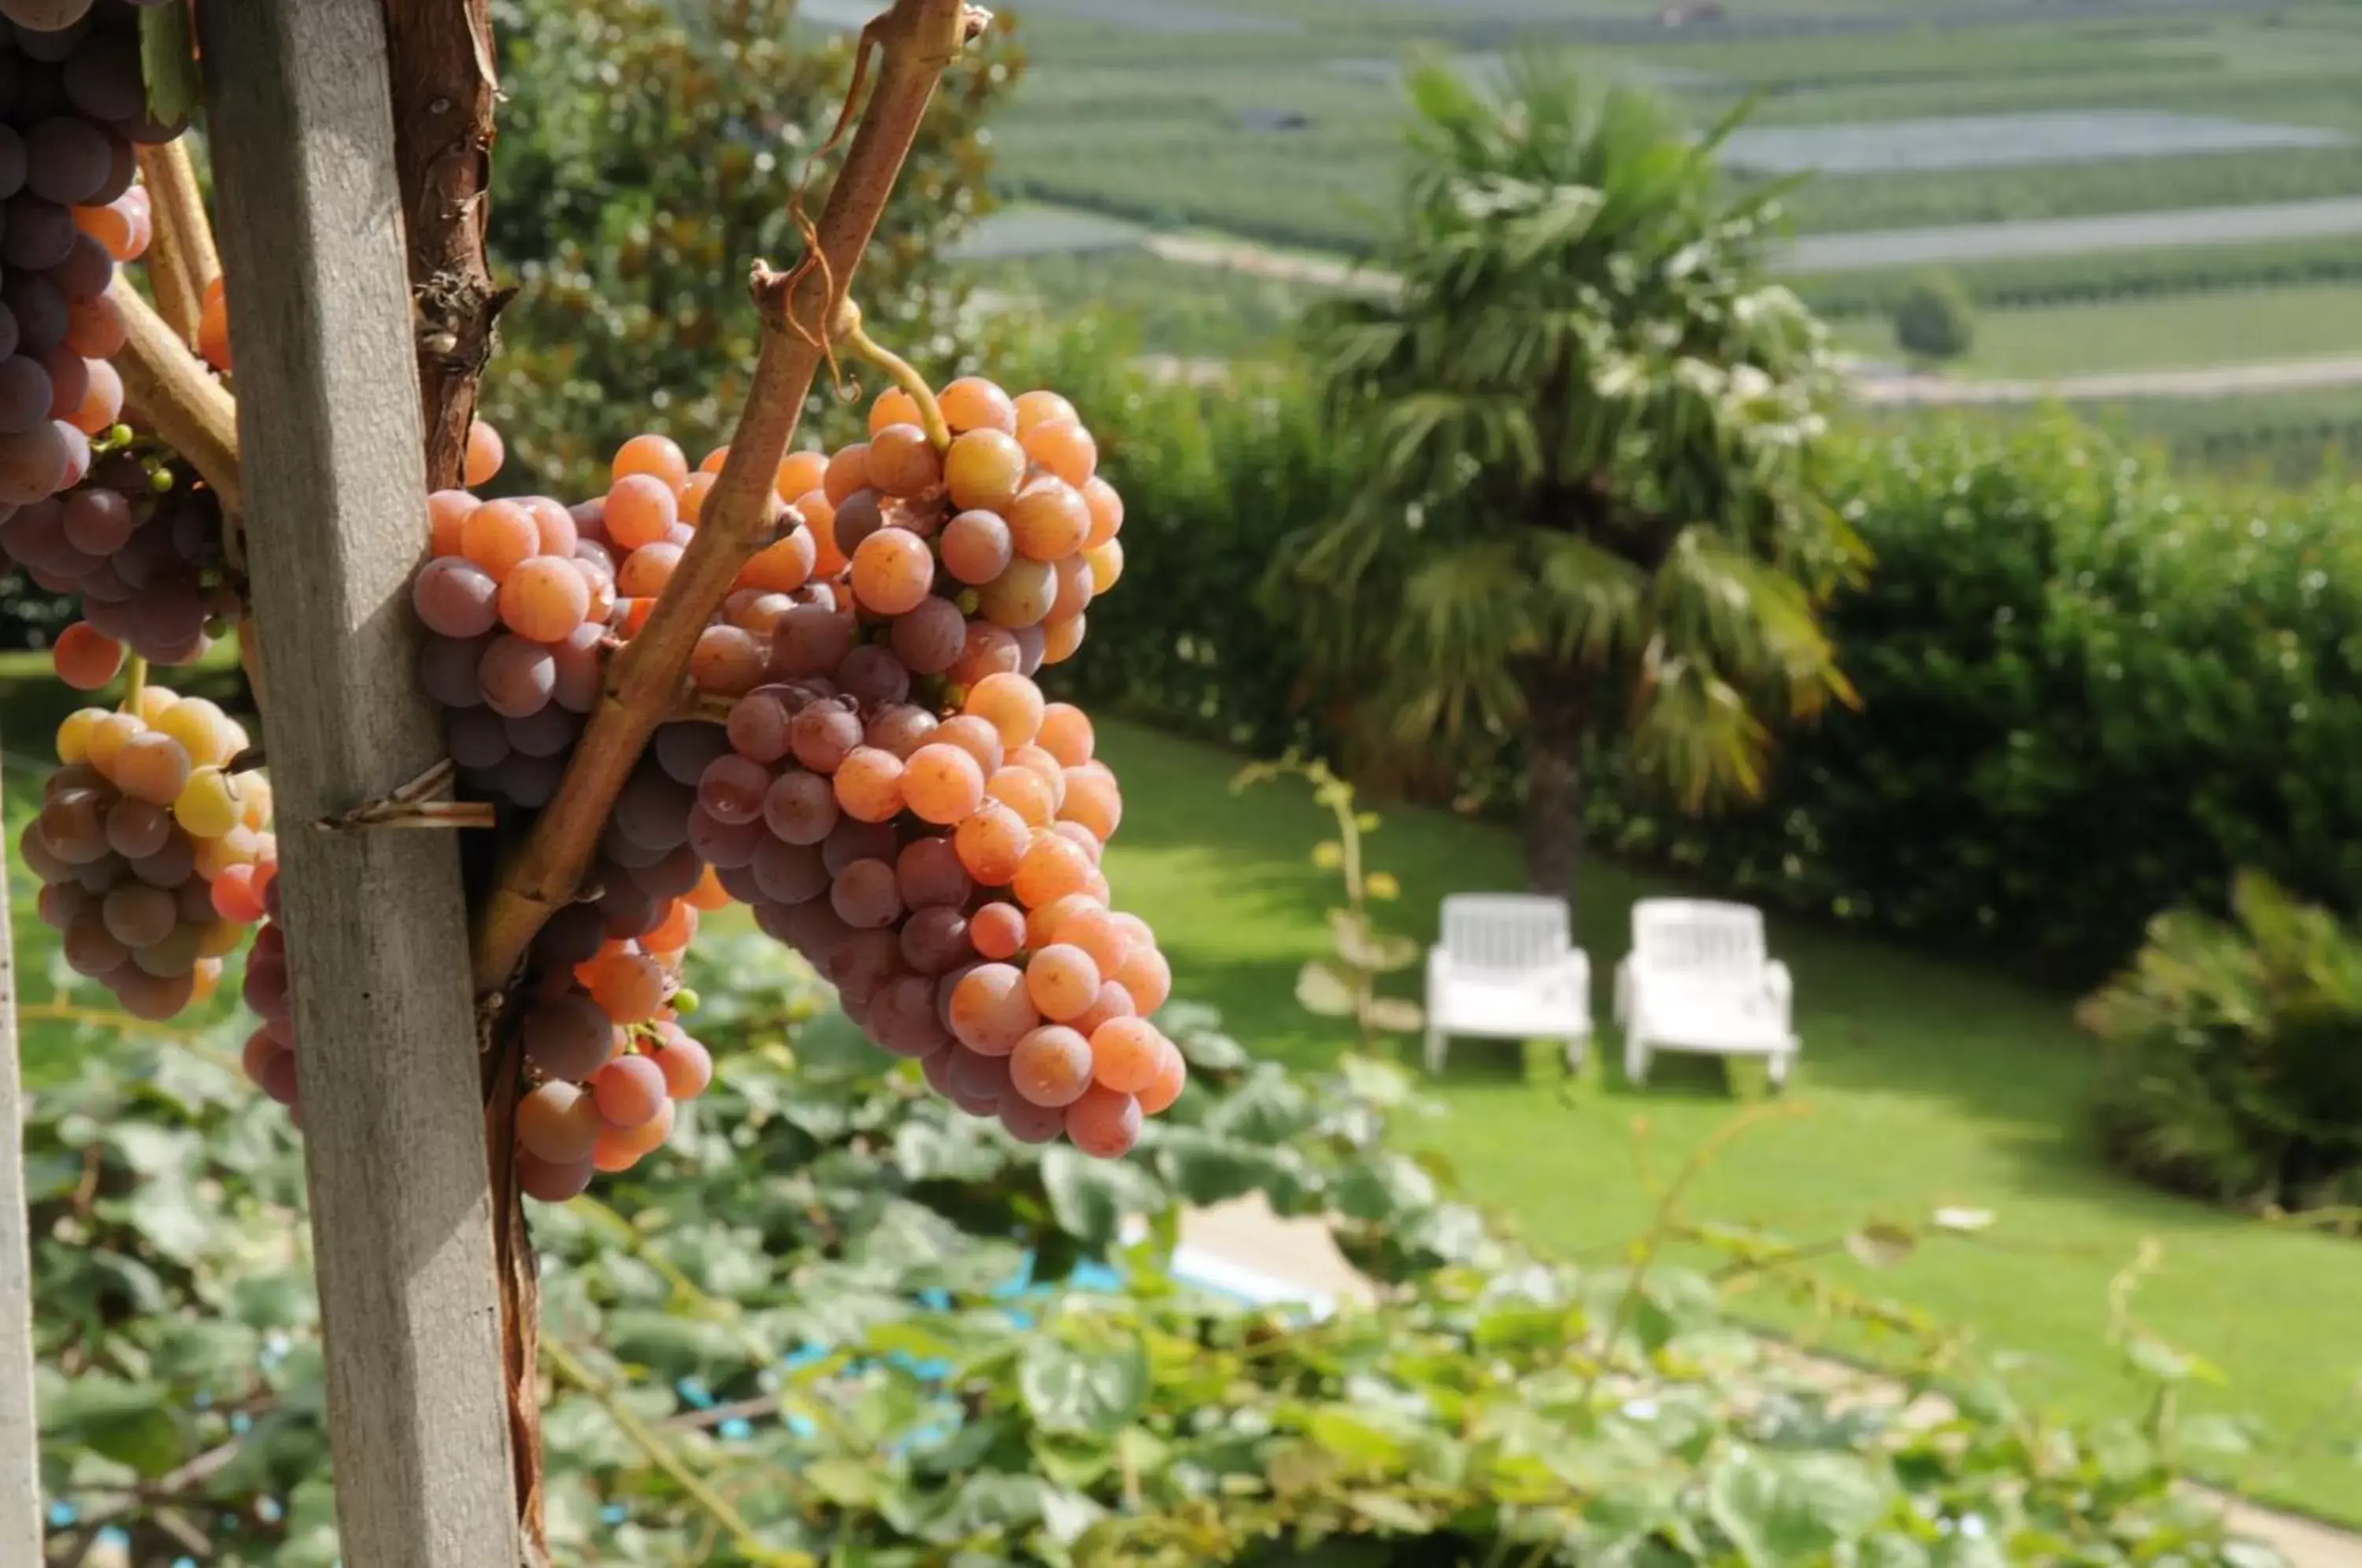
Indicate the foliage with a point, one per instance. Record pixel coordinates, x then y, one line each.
648 153
805 1345
1182 308
1347 986
2231 1067
2088 691
1590 501
1935 321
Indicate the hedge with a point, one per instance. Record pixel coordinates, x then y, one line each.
2090 688
2089 691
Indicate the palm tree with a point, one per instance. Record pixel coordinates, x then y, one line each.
1590 507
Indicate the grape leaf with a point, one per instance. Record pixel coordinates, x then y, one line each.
1320 989
168 60
1068 1389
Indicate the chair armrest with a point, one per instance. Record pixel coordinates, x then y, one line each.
1782 989
1574 973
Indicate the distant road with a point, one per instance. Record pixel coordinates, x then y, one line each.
1895 390
1953 244
1035 230
2208 381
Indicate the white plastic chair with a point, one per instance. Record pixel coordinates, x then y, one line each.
1507 970
1698 980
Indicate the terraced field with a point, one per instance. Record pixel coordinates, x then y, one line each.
2119 185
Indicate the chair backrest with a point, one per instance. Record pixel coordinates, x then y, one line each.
1508 932
1694 936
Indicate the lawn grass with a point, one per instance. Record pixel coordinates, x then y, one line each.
2216 327
1925 1083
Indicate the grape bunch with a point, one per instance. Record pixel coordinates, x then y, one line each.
863 757
603 1032
73 106
154 857
517 604
140 543
83 508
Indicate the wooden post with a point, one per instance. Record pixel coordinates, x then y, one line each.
329 431
20 1450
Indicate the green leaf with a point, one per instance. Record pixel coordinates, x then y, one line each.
1271 1109
169 1215
1376 1189
1323 989
1878 1245
1785 1509
272 1301
848 1483
1205 1167
2155 1358
1390 1512
1360 1439
131 1423
168 62
1068 1389
950 1150
668 1346
1090 1197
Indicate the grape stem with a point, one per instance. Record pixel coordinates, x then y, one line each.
181 261
912 43
850 331
414 806
135 684
190 410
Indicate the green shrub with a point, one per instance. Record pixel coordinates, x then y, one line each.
1935 321
2089 691
650 151
803 1308
2233 1067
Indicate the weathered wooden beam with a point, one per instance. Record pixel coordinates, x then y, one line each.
330 437
20 1438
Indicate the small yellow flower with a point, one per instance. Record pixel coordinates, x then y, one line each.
1329 855
1382 885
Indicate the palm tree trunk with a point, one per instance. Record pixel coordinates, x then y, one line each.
1553 825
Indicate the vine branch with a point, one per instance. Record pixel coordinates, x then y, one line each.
914 42
446 87
193 411
181 261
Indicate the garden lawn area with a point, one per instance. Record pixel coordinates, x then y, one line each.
1924 1083
2167 332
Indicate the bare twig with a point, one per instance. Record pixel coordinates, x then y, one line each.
180 397
181 261
914 42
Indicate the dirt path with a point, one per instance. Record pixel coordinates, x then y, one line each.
1300 1252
